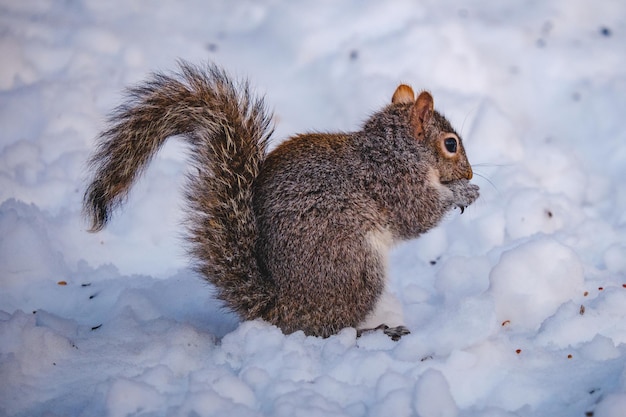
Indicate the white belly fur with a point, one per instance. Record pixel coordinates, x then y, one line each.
388 309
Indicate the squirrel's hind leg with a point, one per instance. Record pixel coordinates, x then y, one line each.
395 333
387 316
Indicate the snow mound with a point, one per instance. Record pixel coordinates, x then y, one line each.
516 308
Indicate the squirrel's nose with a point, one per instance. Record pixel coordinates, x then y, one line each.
469 174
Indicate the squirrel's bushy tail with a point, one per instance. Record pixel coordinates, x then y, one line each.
228 131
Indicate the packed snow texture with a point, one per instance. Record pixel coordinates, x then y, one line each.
517 307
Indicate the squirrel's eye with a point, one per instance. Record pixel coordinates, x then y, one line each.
450 144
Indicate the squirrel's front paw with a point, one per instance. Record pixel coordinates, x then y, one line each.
463 193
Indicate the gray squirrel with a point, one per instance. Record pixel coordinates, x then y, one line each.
298 236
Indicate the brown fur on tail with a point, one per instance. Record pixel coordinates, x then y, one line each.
227 130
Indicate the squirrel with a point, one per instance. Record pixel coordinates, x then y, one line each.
297 236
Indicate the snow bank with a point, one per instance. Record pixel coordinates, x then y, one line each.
531 281
516 307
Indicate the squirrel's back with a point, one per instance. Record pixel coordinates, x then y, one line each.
314 217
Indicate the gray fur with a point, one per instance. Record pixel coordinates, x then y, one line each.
283 236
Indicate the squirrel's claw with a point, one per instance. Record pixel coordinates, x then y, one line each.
395 333
462 209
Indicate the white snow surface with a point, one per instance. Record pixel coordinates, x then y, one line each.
517 307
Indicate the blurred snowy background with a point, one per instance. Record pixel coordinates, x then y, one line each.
517 308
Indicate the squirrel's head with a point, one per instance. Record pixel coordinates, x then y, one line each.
436 134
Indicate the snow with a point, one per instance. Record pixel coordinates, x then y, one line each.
517 307
527 293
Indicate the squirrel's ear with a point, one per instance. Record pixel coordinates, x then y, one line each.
422 112
424 106
404 94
